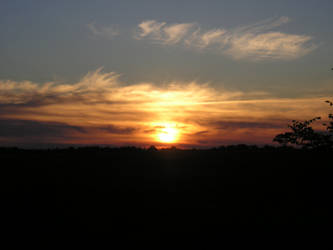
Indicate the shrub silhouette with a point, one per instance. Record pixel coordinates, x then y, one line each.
303 135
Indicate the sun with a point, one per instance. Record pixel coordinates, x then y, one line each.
167 134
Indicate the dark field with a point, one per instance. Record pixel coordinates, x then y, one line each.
131 194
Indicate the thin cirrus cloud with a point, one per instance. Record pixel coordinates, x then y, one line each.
108 32
254 42
163 33
100 109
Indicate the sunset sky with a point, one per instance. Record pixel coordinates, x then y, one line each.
164 73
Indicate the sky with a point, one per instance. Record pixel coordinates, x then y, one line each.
165 73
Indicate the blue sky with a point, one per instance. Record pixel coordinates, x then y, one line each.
276 49
46 40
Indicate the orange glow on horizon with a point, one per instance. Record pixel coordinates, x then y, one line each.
98 109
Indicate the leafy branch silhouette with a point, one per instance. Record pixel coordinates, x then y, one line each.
303 135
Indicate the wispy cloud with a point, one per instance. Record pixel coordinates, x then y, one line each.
101 109
108 32
150 28
163 33
208 38
258 42
253 42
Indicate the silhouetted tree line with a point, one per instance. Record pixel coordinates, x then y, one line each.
303 135
160 194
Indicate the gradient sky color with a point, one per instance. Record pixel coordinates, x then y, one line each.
124 72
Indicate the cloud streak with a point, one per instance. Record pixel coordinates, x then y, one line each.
162 32
253 42
108 32
26 128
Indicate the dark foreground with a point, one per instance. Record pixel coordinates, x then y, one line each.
96 194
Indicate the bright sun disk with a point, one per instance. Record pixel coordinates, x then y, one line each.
168 135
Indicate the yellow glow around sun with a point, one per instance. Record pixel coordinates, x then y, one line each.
167 134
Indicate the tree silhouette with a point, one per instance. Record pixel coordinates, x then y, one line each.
303 135
329 126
